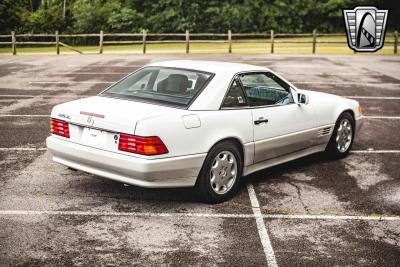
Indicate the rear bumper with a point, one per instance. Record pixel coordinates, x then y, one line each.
152 173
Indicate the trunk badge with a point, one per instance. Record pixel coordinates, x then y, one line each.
90 120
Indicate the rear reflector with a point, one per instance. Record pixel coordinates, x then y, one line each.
141 145
59 127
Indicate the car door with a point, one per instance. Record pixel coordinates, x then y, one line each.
281 126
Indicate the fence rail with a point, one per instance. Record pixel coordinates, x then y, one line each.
270 38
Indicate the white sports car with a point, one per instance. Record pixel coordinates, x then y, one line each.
199 123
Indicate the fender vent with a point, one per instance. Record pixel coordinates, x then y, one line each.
324 131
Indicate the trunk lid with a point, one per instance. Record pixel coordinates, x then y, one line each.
97 121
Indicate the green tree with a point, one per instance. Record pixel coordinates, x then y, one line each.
88 16
125 20
11 13
92 15
48 18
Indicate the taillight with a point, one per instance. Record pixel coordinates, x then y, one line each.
59 127
141 145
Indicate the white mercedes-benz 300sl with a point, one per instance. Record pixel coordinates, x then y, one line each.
199 123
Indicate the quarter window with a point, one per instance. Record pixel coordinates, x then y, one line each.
263 89
235 96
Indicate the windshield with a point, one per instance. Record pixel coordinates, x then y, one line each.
161 84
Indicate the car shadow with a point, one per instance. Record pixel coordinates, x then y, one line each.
284 168
121 192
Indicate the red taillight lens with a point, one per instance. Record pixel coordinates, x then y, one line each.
59 127
141 145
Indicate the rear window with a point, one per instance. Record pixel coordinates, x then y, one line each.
160 84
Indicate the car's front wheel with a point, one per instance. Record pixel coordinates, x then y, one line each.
342 137
220 175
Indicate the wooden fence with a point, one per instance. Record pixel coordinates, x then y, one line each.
270 38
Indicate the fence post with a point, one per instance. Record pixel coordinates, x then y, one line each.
229 41
144 41
187 41
396 37
57 43
314 41
101 42
272 41
13 43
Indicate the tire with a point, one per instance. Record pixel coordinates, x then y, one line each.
339 145
219 180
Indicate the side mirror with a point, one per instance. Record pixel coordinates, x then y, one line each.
302 98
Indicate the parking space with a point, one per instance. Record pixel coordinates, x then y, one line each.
361 184
23 131
335 243
129 240
380 106
71 190
51 215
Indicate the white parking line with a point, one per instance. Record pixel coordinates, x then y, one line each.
332 217
23 149
371 151
124 214
23 115
352 83
374 97
74 73
46 96
63 82
262 229
200 215
330 73
383 117
105 65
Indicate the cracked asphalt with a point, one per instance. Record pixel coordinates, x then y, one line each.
50 215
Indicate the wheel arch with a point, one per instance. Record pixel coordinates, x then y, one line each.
236 141
342 107
351 112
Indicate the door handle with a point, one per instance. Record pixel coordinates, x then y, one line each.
260 120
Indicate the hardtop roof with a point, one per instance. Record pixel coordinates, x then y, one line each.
209 66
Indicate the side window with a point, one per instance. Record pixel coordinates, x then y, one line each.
263 89
234 97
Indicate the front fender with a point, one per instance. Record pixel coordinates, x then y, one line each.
328 107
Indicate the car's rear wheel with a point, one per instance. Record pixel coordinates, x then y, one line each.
342 137
220 175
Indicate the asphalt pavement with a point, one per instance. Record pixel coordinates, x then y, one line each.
309 212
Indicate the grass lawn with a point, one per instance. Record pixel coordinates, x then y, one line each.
259 46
